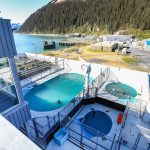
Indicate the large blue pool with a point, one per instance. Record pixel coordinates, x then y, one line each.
56 92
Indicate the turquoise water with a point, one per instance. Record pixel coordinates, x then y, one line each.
123 91
34 43
45 97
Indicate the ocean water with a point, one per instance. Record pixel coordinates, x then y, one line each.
34 43
56 92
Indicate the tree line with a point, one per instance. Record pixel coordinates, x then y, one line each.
89 16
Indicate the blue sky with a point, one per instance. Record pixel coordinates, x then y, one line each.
19 10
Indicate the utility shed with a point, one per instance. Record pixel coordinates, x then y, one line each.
7 44
147 45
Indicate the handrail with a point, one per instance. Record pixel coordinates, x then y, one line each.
82 92
87 139
86 126
41 67
7 86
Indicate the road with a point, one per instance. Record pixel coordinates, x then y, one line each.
142 56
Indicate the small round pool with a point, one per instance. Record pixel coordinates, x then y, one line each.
55 93
99 121
120 90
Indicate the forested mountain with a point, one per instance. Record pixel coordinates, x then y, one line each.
89 16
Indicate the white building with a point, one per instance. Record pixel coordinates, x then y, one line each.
12 104
116 38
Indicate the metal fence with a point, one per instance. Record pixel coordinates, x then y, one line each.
128 137
86 136
131 139
133 135
8 97
51 70
43 126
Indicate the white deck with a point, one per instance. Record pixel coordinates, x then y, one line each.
113 114
67 146
12 139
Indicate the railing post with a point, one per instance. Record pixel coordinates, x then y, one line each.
63 63
125 116
81 133
96 91
59 119
119 141
48 122
35 127
113 142
148 146
54 119
137 141
140 110
73 101
83 93
96 140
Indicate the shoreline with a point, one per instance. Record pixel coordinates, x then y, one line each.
40 34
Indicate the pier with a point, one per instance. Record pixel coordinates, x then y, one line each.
67 43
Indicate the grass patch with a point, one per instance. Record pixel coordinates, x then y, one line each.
129 60
93 51
48 53
98 51
141 34
71 50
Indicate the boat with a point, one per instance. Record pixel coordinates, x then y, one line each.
49 46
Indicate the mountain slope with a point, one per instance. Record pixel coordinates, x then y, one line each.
89 16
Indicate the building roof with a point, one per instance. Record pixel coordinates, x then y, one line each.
120 38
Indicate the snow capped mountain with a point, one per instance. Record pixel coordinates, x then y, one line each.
16 26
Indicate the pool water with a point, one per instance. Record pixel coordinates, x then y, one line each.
56 92
99 121
122 91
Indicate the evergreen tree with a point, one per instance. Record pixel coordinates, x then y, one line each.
89 16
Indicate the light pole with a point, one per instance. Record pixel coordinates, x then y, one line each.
35 49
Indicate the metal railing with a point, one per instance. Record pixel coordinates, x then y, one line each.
85 135
8 97
132 139
44 73
127 136
43 126
45 123
131 135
